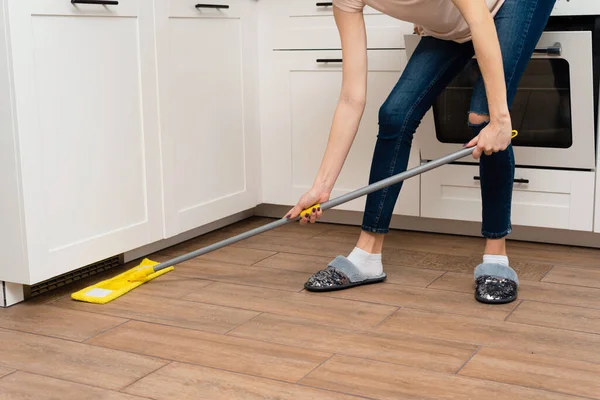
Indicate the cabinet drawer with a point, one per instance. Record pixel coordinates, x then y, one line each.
205 8
303 24
541 198
124 8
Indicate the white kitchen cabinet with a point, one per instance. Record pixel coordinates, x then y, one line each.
298 101
208 82
80 136
309 24
541 198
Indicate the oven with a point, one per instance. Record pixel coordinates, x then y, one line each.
555 109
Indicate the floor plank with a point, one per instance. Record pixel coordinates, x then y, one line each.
557 316
292 229
574 276
75 362
443 244
307 264
497 334
586 257
172 286
291 245
527 271
186 314
52 321
565 256
173 382
550 293
218 351
5 371
25 386
388 381
409 276
297 231
402 349
231 255
409 258
243 274
425 299
303 305
535 371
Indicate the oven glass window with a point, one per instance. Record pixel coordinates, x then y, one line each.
541 109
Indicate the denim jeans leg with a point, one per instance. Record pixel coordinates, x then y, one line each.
433 65
519 24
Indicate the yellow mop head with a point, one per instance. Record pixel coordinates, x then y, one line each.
110 289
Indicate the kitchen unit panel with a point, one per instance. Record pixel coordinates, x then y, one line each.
309 24
208 110
298 106
12 235
87 134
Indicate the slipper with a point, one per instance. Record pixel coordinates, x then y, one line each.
340 274
494 288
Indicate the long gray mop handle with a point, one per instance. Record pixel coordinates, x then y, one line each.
326 205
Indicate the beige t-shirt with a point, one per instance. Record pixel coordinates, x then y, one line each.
437 18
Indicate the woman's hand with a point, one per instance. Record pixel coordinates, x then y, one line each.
495 137
313 196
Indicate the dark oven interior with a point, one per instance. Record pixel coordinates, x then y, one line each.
541 107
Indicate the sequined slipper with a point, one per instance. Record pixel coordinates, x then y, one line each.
495 284
339 274
495 290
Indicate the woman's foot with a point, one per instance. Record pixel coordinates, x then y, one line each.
362 266
495 281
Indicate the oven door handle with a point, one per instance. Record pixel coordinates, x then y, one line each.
554 50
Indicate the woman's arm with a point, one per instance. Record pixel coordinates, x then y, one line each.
349 110
489 58
352 98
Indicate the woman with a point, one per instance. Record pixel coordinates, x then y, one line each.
502 34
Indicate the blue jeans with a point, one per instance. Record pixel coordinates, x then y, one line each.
435 62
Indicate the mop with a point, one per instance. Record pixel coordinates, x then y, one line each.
110 289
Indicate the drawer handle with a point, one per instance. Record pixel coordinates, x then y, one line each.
100 2
325 4
329 60
217 6
516 180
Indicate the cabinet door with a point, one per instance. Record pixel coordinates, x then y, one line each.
541 198
298 101
86 104
208 87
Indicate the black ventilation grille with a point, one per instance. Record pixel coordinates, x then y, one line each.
70 277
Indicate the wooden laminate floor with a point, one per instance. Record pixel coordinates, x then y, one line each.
237 324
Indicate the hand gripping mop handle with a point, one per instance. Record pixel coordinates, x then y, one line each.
327 205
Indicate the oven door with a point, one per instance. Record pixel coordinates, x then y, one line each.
553 109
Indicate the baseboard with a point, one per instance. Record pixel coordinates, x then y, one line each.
163 244
462 228
11 294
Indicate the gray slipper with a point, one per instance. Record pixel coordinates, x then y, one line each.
495 284
340 274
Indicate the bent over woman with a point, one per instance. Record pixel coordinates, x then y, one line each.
502 35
